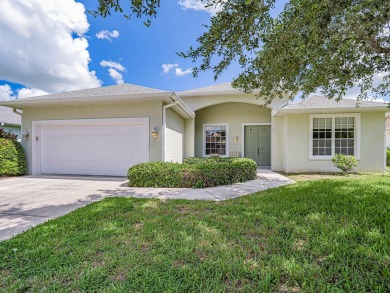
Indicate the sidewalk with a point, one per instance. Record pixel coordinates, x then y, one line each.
267 179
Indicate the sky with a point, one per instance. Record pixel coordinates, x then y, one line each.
55 46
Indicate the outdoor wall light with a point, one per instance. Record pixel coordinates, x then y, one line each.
25 134
236 139
154 132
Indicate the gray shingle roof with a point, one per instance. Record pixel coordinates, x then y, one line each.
114 90
222 87
319 102
7 116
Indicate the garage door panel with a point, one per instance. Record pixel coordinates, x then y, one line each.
88 149
139 128
139 141
126 129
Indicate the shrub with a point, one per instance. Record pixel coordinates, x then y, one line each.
208 160
155 174
7 135
344 163
193 173
12 158
388 156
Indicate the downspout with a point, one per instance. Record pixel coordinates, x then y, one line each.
277 111
164 126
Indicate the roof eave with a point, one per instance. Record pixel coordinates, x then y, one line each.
19 104
183 106
283 112
211 93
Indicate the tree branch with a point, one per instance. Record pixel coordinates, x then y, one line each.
377 48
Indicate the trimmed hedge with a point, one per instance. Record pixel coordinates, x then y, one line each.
388 156
12 158
193 173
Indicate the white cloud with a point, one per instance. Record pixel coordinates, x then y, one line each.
105 34
40 51
113 70
353 92
118 77
199 6
28 92
167 68
175 69
112 64
181 72
6 93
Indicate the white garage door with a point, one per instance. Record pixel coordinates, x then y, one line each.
94 147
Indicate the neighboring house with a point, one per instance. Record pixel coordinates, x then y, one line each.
388 130
104 131
9 121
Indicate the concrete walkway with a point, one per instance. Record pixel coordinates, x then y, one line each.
267 179
30 200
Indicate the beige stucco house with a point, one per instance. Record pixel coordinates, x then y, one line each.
104 131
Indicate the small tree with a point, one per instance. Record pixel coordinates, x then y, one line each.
344 163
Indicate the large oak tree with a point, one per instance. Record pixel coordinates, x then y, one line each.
327 45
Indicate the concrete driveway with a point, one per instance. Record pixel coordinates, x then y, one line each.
28 201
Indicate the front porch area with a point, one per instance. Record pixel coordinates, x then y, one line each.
233 130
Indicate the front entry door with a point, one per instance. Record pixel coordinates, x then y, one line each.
257 144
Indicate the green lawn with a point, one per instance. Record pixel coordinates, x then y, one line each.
318 235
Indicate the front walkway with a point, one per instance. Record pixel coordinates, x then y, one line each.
266 179
30 200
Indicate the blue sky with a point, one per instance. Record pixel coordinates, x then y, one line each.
52 46
143 50
134 54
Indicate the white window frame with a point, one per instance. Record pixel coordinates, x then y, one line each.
204 138
357 129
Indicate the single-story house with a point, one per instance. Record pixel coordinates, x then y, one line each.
104 131
10 121
388 130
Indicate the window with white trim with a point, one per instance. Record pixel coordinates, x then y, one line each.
215 140
322 136
334 134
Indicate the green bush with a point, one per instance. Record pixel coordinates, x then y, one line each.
7 135
388 156
344 163
155 174
208 160
193 173
12 158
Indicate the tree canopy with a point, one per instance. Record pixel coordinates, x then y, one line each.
311 45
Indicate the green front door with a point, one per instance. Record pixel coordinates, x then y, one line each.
257 144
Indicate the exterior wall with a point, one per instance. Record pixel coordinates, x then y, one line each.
388 131
152 109
14 129
197 103
174 137
297 136
277 143
189 146
233 114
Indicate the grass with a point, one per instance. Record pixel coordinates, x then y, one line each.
335 176
313 236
